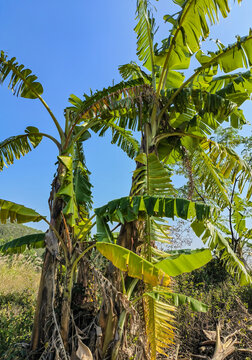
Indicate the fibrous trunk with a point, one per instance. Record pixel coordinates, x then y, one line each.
114 318
42 326
41 330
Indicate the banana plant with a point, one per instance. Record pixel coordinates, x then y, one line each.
155 273
159 320
232 222
69 201
176 117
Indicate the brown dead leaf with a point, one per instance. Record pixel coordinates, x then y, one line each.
83 352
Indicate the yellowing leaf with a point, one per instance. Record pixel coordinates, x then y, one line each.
135 265
17 213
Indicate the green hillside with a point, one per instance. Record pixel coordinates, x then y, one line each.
10 231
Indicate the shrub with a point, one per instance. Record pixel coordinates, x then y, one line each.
228 303
16 317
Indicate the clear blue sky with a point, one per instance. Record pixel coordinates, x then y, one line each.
72 47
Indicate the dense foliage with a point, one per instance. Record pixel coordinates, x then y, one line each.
177 119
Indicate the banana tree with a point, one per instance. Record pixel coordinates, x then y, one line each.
232 222
69 202
156 276
177 115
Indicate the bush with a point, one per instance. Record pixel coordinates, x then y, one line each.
228 303
16 318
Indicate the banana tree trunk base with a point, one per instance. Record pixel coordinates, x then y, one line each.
43 315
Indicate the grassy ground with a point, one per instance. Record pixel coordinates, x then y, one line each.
19 280
229 304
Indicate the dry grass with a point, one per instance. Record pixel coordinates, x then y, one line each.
18 276
19 281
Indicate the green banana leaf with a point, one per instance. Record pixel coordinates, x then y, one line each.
132 208
217 242
179 299
17 213
134 264
195 305
67 192
22 82
128 208
32 241
16 146
184 263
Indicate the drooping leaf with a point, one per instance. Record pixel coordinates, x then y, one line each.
228 59
133 71
212 178
22 82
160 231
17 213
189 27
211 109
33 135
180 299
67 192
134 264
17 146
95 104
121 137
228 164
114 109
195 305
145 30
215 241
130 208
152 175
213 164
33 241
82 186
103 232
236 86
159 323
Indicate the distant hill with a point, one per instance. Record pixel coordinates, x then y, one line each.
10 231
